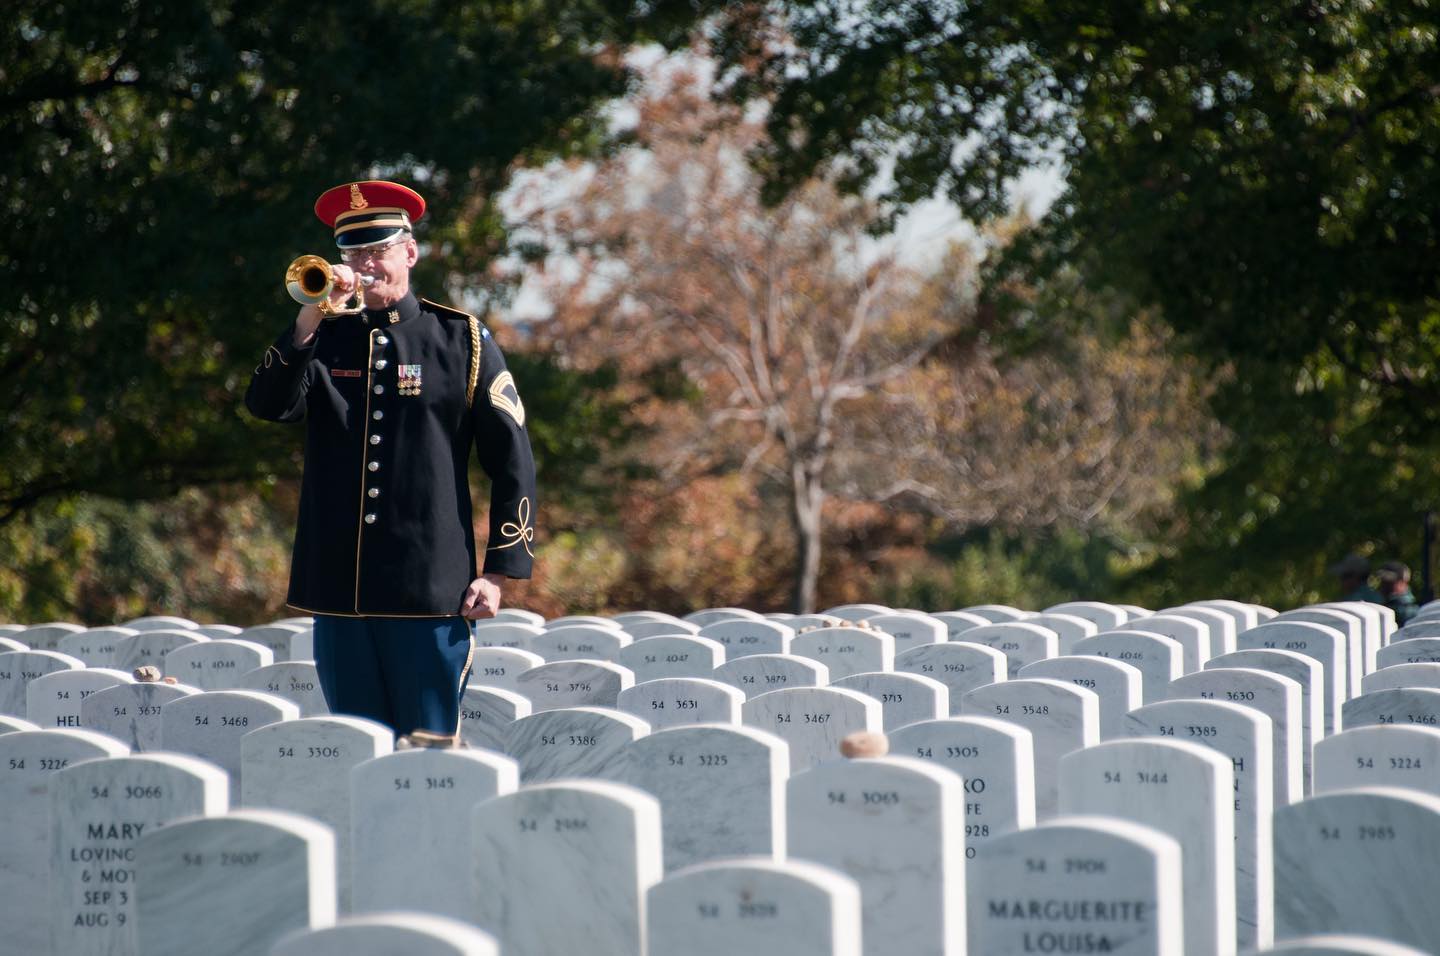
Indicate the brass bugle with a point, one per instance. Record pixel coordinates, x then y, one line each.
310 279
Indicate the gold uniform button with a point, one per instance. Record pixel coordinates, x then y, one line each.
380 365
377 414
373 492
379 389
374 466
370 519
374 439
382 340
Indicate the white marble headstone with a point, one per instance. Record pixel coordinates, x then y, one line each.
501 666
1067 628
594 845
161 622
579 642
1060 717
1117 684
1159 659
131 712
210 725
274 636
505 634
744 637
1193 637
1078 884
573 684
857 612
1243 735
1303 670
96 646
571 742
410 827
958 622
813 720
671 656
1384 755
390 934
1102 615
1420 650
1402 675
1184 790
218 664
995 759
149 647
101 810
721 790
486 714
1341 944
760 673
233 885
643 629
996 613
28 762
757 907
896 826
959 665
297 681
910 630
55 699
676 701
19 668
847 650
1359 861
904 698
45 637
303 766
1404 706
1022 642
1317 641
1277 697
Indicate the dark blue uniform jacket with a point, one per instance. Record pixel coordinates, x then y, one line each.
385 522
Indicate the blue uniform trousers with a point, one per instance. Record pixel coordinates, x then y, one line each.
408 673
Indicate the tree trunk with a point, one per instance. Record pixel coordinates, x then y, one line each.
807 500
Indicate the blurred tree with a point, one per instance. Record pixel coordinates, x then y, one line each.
1264 175
802 354
161 162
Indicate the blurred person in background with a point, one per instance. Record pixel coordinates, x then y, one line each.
1394 580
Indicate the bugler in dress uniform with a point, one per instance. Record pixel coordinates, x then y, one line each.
393 397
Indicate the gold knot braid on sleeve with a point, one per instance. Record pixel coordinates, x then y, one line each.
474 378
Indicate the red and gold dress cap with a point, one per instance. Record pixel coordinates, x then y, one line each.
369 211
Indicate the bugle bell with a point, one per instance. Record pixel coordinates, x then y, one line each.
310 279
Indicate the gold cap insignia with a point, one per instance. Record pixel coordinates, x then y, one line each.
357 201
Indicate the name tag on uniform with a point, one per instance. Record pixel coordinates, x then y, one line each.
345 373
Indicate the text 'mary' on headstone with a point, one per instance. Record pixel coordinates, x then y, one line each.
28 762
101 809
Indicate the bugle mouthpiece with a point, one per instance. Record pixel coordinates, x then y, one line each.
366 280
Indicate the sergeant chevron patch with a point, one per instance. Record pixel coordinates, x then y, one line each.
506 397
